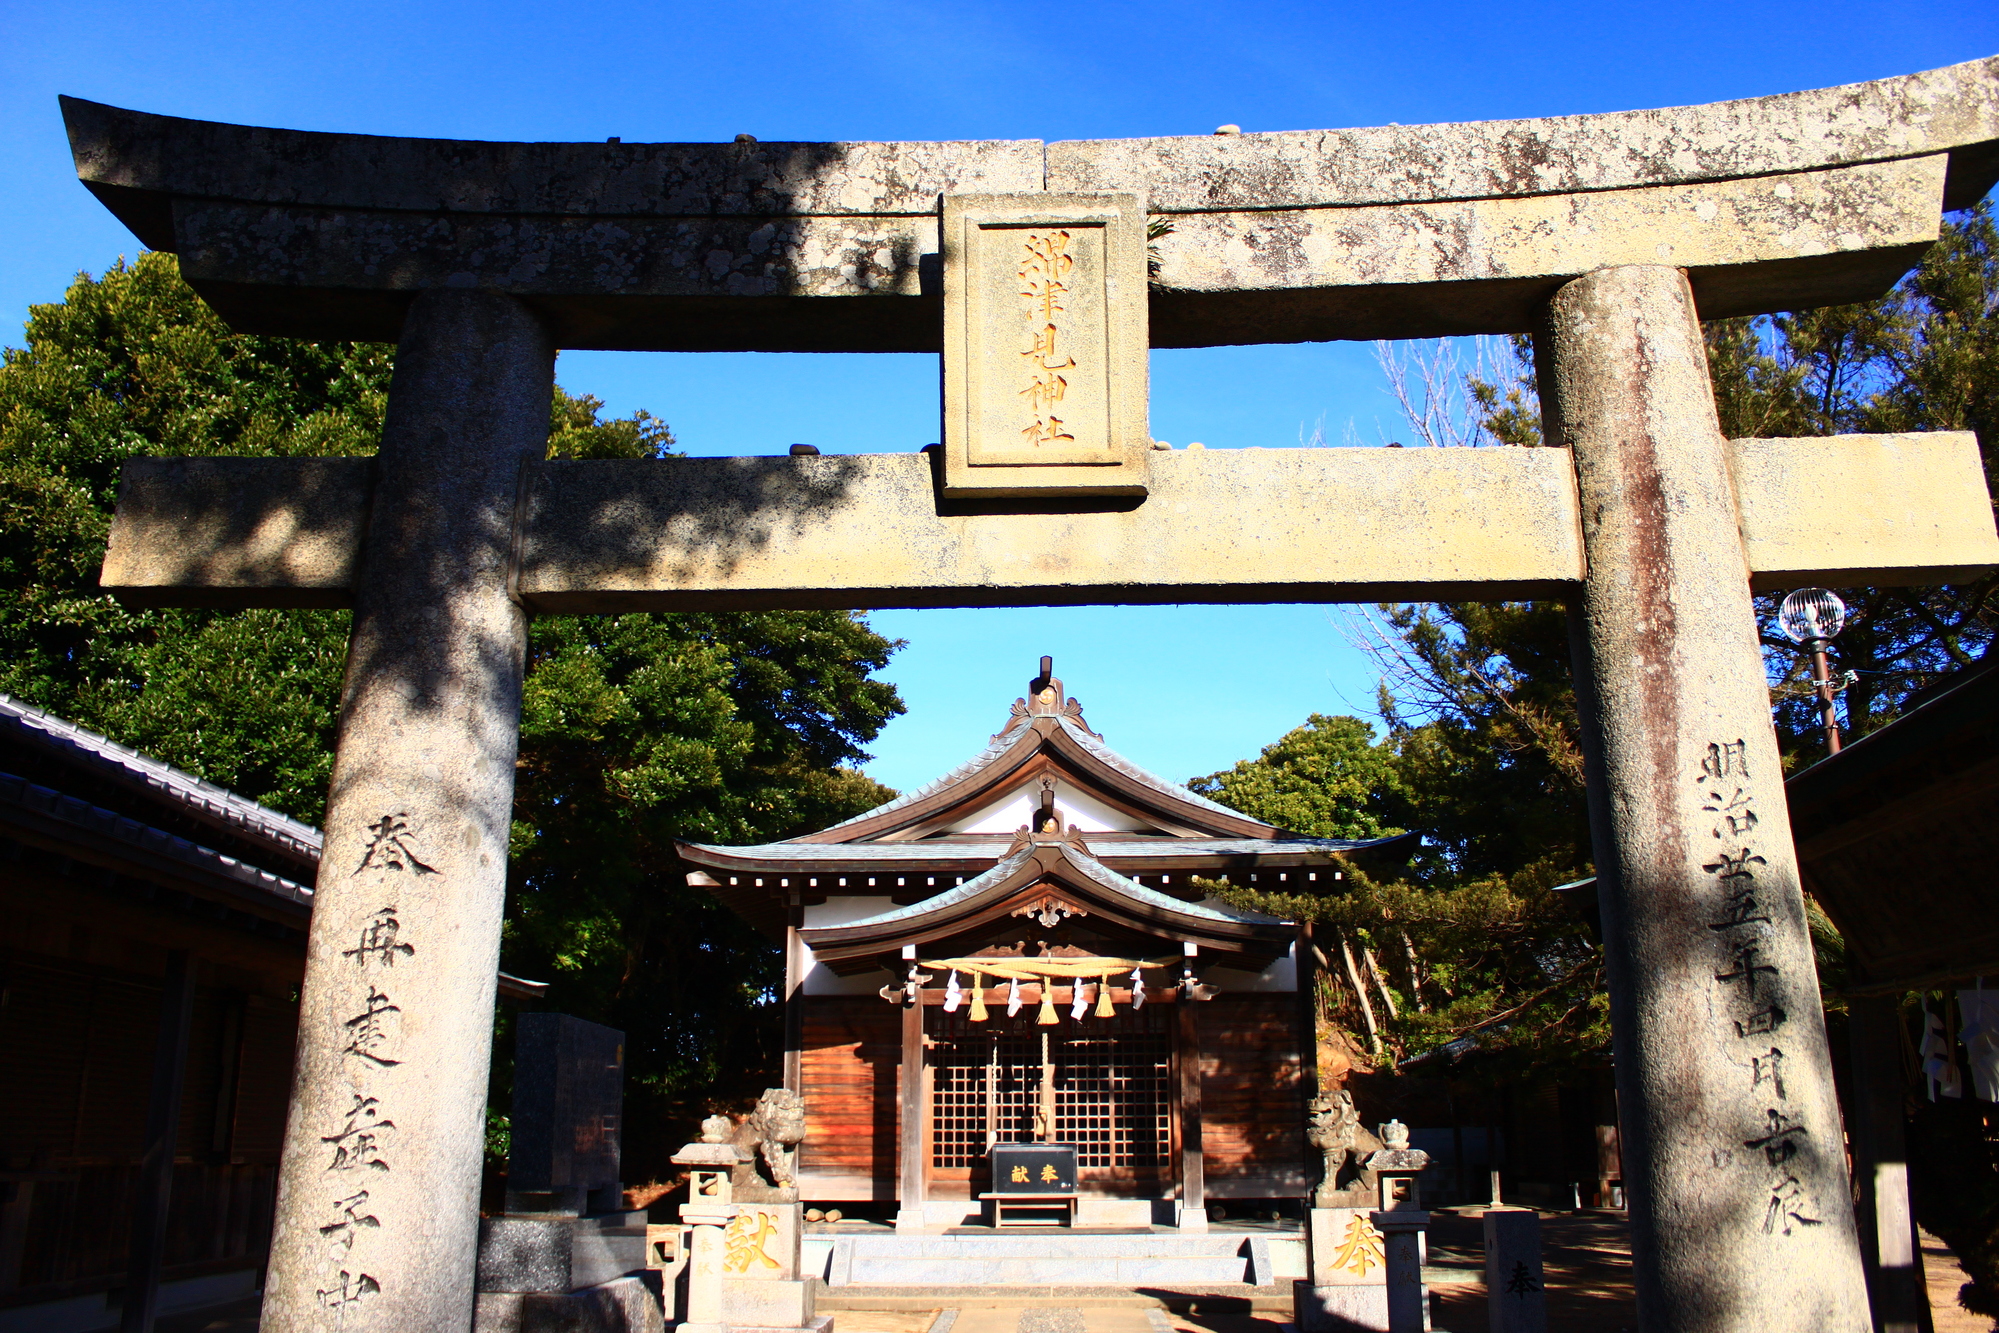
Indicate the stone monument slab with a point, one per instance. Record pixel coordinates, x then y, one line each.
567 1112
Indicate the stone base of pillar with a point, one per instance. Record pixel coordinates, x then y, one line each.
818 1324
1341 1309
759 1303
910 1219
1190 1219
622 1305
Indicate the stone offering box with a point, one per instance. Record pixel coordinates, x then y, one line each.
1033 1168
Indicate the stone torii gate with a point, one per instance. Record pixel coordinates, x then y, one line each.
1024 264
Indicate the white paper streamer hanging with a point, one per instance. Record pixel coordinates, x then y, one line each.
1939 1069
1082 1004
954 995
1137 989
1013 997
1981 1039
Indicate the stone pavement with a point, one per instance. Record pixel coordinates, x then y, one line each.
1587 1256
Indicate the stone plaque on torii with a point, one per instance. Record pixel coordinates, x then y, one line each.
1024 264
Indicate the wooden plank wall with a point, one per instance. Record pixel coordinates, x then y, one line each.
76 1044
1252 1095
847 1074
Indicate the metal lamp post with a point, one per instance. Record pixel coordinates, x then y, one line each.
1813 618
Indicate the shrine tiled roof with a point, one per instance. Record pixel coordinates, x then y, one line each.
1094 743
999 745
1096 870
1120 849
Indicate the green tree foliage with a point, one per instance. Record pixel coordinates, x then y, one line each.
1925 357
637 729
1326 779
1482 746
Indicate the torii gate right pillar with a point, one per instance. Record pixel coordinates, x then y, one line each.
1740 1212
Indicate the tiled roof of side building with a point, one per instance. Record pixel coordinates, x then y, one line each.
100 824
205 801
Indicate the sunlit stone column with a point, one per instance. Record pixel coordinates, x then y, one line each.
1733 1164
377 1221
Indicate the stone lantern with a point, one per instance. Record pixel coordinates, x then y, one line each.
710 1204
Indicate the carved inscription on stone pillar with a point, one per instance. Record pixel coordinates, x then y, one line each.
1044 345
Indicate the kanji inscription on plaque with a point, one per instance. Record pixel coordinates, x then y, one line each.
1044 344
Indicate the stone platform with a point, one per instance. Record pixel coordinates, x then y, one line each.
1230 1298
1120 1260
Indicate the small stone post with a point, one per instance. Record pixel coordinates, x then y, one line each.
1516 1298
1740 1216
377 1211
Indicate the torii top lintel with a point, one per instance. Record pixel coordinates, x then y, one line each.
1398 231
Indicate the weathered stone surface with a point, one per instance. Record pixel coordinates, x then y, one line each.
1340 1309
1950 109
1279 237
761 1244
118 150
622 1305
1733 1161
1045 364
525 1253
716 283
767 1304
1345 1247
1889 497
1243 526
290 526
1488 265
377 1210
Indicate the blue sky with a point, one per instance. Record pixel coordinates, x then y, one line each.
1182 690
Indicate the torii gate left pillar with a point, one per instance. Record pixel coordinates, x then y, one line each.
1652 526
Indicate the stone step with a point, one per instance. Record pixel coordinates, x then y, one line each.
1230 1297
1050 1258
1043 1239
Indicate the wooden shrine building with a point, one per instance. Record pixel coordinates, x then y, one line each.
1018 951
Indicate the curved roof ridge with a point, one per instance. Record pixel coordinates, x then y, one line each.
1083 862
1096 746
206 800
998 746
957 893
1131 888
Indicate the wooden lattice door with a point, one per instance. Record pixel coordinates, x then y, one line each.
1107 1081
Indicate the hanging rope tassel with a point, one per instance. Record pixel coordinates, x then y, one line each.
978 1014
1105 1009
1013 997
1047 1014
